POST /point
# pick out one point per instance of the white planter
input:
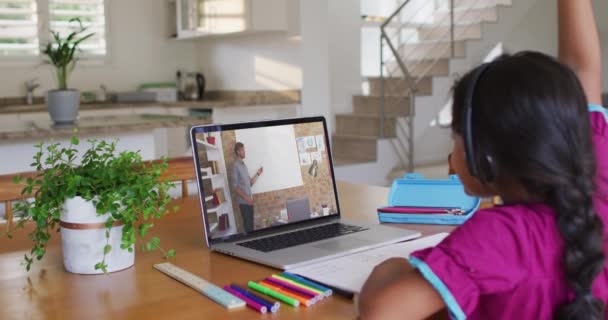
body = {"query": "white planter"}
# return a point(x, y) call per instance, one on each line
point(83, 239)
point(63, 106)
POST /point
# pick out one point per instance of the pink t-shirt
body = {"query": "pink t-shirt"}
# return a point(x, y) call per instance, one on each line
point(507, 262)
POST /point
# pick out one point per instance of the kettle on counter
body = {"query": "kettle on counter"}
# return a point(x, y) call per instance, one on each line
point(193, 86)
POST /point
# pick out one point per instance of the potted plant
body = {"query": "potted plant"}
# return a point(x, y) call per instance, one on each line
point(101, 203)
point(63, 103)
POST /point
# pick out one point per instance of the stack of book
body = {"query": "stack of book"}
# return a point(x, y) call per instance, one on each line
point(210, 167)
point(207, 187)
point(223, 222)
point(218, 196)
point(215, 167)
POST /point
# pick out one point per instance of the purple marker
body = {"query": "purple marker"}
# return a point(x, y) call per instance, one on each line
point(272, 306)
point(250, 302)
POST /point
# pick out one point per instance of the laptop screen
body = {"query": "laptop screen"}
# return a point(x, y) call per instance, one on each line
point(255, 176)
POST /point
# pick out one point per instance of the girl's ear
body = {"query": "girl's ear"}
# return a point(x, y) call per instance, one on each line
point(451, 170)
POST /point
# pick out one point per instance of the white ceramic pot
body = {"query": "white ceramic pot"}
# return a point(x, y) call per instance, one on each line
point(63, 106)
point(83, 239)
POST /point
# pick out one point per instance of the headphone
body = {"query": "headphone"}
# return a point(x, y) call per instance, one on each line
point(485, 170)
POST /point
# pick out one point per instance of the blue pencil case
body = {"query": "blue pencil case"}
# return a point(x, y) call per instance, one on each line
point(414, 192)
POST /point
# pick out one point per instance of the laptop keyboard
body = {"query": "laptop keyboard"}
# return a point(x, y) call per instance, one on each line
point(295, 238)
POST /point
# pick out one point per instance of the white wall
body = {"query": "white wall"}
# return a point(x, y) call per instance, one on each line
point(331, 56)
point(344, 53)
point(538, 31)
point(140, 51)
point(263, 61)
point(324, 61)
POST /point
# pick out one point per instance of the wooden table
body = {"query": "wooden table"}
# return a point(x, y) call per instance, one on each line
point(141, 292)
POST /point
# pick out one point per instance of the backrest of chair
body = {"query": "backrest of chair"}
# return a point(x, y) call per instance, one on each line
point(179, 170)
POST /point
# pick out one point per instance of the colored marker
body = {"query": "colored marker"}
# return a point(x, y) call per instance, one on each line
point(303, 288)
point(269, 292)
point(303, 299)
point(250, 302)
point(292, 288)
point(297, 284)
point(327, 291)
point(273, 306)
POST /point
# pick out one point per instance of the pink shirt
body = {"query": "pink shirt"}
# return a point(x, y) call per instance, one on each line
point(507, 262)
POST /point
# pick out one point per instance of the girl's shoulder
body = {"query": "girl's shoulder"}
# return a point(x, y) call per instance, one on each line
point(599, 125)
point(599, 120)
point(511, 215)
point(509, 229)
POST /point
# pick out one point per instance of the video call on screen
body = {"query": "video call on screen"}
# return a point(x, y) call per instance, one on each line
point(258, 178)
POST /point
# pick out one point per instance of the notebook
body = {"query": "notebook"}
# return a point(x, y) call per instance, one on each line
point(348, 273)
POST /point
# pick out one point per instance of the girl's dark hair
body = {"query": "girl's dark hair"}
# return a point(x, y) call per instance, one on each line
point(530, 116)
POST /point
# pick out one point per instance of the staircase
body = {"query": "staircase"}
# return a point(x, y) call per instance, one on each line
point(423, 44)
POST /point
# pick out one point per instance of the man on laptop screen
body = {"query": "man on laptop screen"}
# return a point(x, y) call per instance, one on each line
point(241, 183)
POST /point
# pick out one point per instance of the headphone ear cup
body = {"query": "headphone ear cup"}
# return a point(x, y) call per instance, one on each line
point(487, 169)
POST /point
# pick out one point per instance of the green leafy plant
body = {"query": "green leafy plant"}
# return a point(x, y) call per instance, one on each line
point(61, 52)
point(120, 184)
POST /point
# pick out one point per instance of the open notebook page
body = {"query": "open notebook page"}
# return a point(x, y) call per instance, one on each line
point(348, 273)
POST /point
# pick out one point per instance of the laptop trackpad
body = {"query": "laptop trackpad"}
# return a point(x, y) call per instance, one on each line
point(342, 244)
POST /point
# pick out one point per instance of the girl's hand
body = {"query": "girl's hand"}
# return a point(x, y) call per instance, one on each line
point(384, 273)
point(579, 45)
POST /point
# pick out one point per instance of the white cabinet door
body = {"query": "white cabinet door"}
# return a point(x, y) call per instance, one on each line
point(199, 18)
point(8, 118)
point(150, 110)
point(187, 12)
point(225, 16)
point(105, 112)
point(178, 111)
point(35, 116)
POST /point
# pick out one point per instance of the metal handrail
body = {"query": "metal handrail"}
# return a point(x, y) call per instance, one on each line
point(453, 36)
point(412, 83)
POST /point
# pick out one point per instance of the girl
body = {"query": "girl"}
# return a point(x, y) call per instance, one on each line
point(521, 130)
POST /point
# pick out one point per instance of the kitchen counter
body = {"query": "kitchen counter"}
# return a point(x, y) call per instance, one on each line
point(213, 99)
point(156, 129)
point(97, 126)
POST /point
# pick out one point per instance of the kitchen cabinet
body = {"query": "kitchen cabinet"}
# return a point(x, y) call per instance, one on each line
point(150, 110)
point(8, 118)
point(200, 18)
point(105, 112)
point(35, 116)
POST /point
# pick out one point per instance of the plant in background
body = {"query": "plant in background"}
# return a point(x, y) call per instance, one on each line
point(121, 185)
point(61, 52)
point(269, 221)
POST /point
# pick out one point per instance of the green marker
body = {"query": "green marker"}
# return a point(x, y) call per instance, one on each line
point(269, 292)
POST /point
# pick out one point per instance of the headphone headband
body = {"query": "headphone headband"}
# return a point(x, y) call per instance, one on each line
point(468, 122)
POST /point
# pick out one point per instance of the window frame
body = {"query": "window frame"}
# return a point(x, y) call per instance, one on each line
point(44, 35)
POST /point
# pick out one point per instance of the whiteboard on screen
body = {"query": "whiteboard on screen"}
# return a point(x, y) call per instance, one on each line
point(273, 148)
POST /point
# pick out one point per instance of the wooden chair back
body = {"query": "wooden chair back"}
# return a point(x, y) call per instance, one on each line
point(180, 170)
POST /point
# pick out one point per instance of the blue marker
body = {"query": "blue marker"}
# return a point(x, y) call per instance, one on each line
point(273, 307)
point(326, 291)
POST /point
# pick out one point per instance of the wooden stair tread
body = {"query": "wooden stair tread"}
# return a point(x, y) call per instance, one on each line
point(343, 161)
point(352, 136)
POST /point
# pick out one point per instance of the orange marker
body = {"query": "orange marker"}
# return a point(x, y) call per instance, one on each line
point(303, 300)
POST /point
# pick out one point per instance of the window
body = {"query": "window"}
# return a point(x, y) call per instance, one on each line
point(18, 28)
point(91, 14)
point(21, 34)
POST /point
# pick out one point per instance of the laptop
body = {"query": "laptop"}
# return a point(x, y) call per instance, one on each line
point(298, 209)
point(248, 172)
